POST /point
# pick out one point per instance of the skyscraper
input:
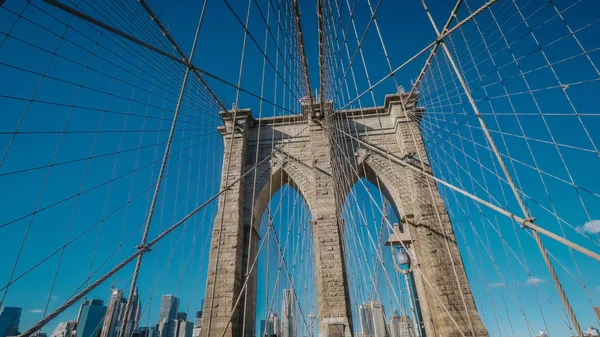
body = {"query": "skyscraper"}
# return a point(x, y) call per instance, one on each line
point(288, 314)
point(90, 318)
point(372, 319)
point(181, 327)
point(197, 324)
point(401, 326)
point(147, 331)
point(168, 313)
point(366, 319)
point(379, 319)
point(168, 308)
point(114, 314)
point(65, 329)
point(272, 326)
point(9, 321)
point(133, 318)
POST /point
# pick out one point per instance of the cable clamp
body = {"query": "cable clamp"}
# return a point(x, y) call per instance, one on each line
point(564, 86)
point(144, 248)
point(527, 220)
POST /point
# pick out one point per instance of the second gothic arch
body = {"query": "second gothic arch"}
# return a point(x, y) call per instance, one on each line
point(389, 178)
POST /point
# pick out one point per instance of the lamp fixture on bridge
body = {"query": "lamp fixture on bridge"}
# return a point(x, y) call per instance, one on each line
point(400, 239)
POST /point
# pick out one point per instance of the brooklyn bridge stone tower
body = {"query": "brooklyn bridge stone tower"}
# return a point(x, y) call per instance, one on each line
point(315, 157)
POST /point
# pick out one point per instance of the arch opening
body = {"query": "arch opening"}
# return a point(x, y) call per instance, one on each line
point(285, 294)
point(380, 293)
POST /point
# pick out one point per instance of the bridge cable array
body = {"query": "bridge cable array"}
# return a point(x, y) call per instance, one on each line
point(500, 115)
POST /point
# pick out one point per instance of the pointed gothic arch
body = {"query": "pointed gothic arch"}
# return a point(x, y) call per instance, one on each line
point(281, 171)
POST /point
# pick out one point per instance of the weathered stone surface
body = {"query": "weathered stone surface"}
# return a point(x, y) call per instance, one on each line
point(323, 164)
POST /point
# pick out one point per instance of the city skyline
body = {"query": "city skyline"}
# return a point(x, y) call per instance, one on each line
point(92, 315)
point(95, 319)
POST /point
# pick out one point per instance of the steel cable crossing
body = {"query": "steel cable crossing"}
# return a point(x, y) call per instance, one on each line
point(454, 86)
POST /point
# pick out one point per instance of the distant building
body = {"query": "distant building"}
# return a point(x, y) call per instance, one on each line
point(288, 314)
point(168, 313)
point(168, 308)
point(372, 319)
point(401, 326)
point(133, 318)
point(40, 334)
point(114, 314)
point(542, 334)
point(9, 321)
point(90, 318)
point(379, 320)
point(146, 331)
point(65, 329)
point(197, 324)
point(269, 326)
point(181, 327)
point(366, 320)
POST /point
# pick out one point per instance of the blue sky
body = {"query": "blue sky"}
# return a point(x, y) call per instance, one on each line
point(95, 86)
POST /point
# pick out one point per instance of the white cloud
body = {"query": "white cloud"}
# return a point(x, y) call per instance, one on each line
point(36, 311)
point(54, 297)
point(591, 227)
point(598, 289)
point(534, 281)
point(497, 285)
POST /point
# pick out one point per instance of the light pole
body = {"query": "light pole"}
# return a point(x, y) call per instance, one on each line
point(403, 246)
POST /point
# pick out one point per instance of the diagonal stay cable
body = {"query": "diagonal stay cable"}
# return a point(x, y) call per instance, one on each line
point(161, 173)
point(95, 187)
point(142, 250)
point(524, 222)
point(199, 72)
point(419, 53)
point(87, 230)
point(181, 53)
point(525, 211)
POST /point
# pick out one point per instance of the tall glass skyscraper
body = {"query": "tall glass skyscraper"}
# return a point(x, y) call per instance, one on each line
point(168, 313)
point(9, 321)
point(91, 318)
point(168, 308)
